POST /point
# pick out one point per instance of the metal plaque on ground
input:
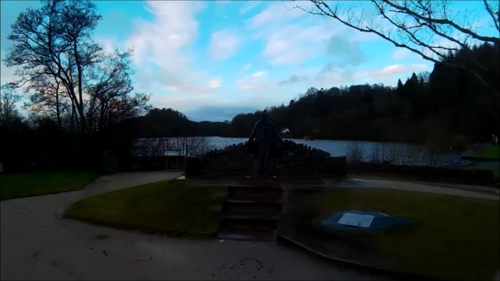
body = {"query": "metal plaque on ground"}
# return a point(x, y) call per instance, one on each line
point(356, 220)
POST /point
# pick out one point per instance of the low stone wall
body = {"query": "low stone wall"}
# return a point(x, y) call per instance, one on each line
point(482, 159)
point(290, 159)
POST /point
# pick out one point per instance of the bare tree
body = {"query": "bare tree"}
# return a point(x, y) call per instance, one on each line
point(190, 146)
point(8, 100)
point(109, 90)
point(428, 28)
point(355, 153)
point(151, 147)
point(49, 97)
point(55, 41)
point(424, 76)
point(57, 57)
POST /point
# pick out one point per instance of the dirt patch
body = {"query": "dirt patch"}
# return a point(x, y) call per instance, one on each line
point(101, 237)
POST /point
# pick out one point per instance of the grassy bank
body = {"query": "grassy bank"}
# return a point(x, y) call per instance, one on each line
point(496, 170)
point(31, 184)
point(176, 207)
point(453, 237)
point(488, 151)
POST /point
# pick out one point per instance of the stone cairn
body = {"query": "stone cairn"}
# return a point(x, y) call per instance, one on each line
point(291, 159)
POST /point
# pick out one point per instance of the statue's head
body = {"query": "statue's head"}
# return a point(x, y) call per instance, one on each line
point(264, 115)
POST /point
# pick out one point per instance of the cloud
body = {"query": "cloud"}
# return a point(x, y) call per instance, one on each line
point(246, 67)
point(108, 45)
point(294, 43)
point(159, 49)
point(250, 5)
point(390, 71)
point(293, 79)
point(215, 83)
point(362, 36)
point(223, 45)
point(330, 75)
point(291, 36)
point(218, 113)
point(401, 53)
point(347, 51)
point(275, 13)
point(327, 67)
point(259, 73)
point(332, 78)
point(7, 74)
point(255, 83)
point(182, 103)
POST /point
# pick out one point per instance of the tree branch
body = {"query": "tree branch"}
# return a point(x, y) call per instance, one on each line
point(325, 10)
point(403, 9)
point(492, 14)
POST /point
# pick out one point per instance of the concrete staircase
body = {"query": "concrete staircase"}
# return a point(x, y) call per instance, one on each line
point(252, 210)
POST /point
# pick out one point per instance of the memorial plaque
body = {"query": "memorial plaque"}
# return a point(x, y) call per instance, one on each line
point(356, 220)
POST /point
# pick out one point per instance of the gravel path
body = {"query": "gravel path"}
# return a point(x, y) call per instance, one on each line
point(37, 244)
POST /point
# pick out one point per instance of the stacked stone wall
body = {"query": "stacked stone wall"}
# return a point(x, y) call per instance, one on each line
point(289, 158)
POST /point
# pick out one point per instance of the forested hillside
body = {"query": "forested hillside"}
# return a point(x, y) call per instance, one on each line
point(444, 103)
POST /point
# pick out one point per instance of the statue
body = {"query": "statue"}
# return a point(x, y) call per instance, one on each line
point(265, 135)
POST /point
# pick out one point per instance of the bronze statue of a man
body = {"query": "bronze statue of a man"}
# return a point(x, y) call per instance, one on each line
point(265, 135)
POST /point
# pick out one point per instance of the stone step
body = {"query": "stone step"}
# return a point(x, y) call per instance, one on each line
point(257, 184)
point(304, 182)
point(251, 196)
point(251, 212)
point(256, 207)
point(248, 224)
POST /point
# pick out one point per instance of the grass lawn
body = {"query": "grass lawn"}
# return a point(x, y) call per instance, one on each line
point(30, 184)
point(496, 170)
point(453, 238)
point(488, 151)
point(176, 207)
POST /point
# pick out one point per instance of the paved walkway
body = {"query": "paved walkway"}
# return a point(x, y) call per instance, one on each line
point(37, 244)
point(414, 186)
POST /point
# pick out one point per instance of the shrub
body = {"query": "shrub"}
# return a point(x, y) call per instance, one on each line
point(459, 142)
point(355, 153)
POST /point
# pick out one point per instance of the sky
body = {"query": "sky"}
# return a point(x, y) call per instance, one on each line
point(214, 59)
